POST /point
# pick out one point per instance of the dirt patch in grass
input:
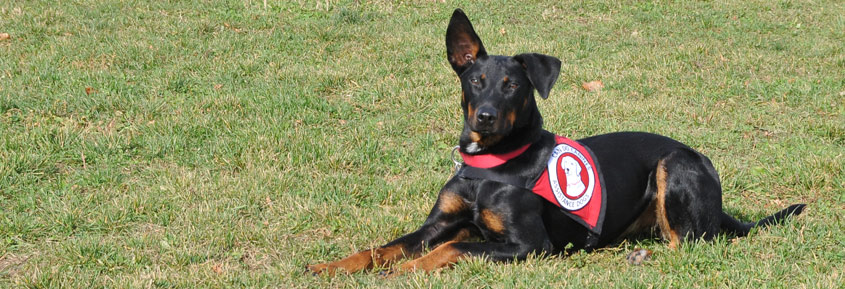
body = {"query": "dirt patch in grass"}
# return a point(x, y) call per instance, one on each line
point(11, 265)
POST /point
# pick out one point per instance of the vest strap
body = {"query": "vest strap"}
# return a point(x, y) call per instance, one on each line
point(469, 172)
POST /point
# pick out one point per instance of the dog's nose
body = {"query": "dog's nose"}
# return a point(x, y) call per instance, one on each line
point(486, 116)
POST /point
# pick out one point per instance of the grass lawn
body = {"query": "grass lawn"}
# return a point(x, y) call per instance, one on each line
point(182, 144)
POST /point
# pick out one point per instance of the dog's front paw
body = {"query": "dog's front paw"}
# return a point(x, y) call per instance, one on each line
point(388, 274)
point(319, 269)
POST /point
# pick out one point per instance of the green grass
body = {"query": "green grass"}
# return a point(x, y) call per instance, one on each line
point(229, 144)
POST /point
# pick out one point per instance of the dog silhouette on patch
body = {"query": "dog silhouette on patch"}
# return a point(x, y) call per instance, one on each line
point(572, 168)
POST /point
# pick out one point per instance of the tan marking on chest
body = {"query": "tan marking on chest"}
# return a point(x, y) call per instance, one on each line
point(493, 221)
point(451, 203)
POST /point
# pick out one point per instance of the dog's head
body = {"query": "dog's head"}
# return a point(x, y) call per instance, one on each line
point(497, 91)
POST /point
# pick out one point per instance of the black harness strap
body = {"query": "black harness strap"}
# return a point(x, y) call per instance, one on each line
point(469, 172)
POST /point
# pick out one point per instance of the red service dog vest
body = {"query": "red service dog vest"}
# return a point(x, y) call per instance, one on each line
point(571, 179)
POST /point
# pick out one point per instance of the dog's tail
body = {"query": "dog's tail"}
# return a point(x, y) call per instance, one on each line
point(740, 229)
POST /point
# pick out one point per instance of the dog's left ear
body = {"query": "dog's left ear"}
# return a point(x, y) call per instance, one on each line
point(542, 71)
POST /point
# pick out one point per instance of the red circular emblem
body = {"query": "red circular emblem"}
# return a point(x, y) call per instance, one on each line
point(571, 177)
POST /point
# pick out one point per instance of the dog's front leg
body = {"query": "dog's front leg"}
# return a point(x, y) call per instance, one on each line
point(409, 245)
point(449, 220)
point(524, 236)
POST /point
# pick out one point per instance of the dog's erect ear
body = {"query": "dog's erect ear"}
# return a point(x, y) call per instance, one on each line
point(542, 71)
point(463, 46)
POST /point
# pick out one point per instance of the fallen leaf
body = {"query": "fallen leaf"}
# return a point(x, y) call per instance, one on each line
point(218, 86)
point(217, 269)
point(4, 36)
point(593, 86)
point(502, 31)
point(638, 256)
point(89, 90)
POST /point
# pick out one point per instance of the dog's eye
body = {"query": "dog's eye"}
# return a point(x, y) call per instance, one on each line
point(513, 85)
point(473, 80)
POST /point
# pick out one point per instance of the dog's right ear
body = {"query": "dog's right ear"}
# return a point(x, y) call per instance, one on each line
point(463, 46)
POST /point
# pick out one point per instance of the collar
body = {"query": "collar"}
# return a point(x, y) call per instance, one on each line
point(487, 161)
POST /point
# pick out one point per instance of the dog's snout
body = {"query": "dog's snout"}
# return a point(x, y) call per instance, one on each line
point(486, 116)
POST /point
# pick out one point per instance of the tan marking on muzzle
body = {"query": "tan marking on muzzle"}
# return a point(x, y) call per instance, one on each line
point(474, 136)
point(470, 114)
point(512, 117)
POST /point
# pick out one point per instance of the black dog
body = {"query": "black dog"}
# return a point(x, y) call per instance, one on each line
point(524, 190)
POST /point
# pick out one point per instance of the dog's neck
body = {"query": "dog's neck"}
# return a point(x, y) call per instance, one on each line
point(486, 161)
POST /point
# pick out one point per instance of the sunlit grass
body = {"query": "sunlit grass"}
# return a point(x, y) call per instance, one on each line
point(229, 143)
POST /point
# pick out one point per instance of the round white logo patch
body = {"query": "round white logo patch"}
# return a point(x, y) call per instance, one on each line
point(571, 177)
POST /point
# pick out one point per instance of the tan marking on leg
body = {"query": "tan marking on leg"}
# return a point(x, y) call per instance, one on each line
point(662, 221)
point(463, 234)
point(445, 255)
point(451, 203)
point(492, 221)
point(363, 260)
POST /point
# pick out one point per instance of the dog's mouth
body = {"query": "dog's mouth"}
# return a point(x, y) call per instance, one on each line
point(484, 137)
point(480, 140)
point(486, 128)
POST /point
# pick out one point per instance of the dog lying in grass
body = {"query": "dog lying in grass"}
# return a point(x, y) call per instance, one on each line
point(524, 190)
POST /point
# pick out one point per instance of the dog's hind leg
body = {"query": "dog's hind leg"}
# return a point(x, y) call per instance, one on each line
point(689, 197)
point(689, 200)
